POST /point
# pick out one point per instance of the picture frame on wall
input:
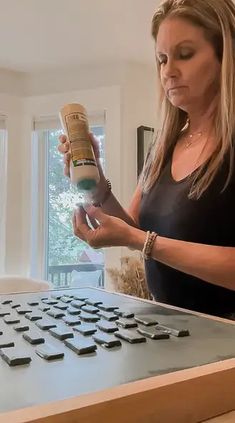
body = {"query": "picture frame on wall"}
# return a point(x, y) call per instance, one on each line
point(145, 136)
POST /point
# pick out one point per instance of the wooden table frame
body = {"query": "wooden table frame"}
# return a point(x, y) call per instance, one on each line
point(186, 396)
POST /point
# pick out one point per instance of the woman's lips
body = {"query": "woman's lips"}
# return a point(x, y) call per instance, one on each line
point(175, 89)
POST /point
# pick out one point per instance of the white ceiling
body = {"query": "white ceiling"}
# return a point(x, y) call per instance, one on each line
point(41, 35)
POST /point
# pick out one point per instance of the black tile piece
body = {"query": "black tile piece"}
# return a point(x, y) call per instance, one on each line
point(127, 323)
point(111, 317)
point(11, 319)
point(66, 300)
point(130, 336)
point(33, 303)
point(45, 324)
point(56, 296)
point(93, 302)
point(49, 352)
point(81, 345)
point(172, 330)
point(123, 313)
point(146, 320)
point(158, 334)
point(85, 329)
point(44, 307)
point(107, 307)
point(33, 337)
point(6, 343)
point(73, 311)
point(107, 341)
point(90, 309)
point(61, 306)
point(50, 301)
point(4, 313)
point(15, 305)
point(61, 333)
point(77, 303)
point(92, 318)
point(22, 310)
point(106, 326)
point(14, 358)
point(7, 301)
point(55, 313)
point(71, 320)
point(21, 328)
point(33, 317)
point(80, 297)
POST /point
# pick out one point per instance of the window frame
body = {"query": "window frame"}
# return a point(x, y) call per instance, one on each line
point(40, 191)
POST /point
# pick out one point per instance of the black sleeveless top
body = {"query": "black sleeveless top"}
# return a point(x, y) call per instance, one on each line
point(167, 210)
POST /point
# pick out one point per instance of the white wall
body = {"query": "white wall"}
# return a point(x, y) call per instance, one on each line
point(13, 83)
point(127, 93)
point(138, 108)
point(82, 78)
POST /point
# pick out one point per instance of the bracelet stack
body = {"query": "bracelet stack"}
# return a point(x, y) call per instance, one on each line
point(106, 194)
point(148, 245)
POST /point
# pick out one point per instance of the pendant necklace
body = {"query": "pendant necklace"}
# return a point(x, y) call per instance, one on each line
point(190, 139)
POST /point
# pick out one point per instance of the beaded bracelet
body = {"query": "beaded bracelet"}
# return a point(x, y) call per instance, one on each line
point(148, 245)
point(106, 194)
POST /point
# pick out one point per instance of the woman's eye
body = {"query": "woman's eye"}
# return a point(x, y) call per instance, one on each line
point(185, 56)
point(162, 61)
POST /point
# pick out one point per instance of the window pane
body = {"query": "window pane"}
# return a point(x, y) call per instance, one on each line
point(69, 260)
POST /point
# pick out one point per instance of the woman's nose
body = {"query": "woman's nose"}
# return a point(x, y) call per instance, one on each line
point(170, 70)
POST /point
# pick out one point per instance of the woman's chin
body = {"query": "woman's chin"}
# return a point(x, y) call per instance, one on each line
point(179, 103)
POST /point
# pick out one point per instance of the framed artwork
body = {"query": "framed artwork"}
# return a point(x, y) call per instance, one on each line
point(144, 139)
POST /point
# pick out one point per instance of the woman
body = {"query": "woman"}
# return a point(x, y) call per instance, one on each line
point(186, 193)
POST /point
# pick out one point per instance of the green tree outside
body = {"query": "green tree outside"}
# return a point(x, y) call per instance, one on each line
point(63, 247)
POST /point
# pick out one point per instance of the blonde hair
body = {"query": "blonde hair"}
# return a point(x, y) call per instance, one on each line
point(217, 18)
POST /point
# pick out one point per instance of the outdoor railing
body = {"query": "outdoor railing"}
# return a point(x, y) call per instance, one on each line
point(61, 275)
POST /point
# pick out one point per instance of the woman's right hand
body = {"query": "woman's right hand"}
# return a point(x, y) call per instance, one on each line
point(64, 148)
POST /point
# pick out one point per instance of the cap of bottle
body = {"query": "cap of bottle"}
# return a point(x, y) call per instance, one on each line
point(86, 184)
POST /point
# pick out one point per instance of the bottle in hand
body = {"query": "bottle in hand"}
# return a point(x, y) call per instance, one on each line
point(83, 166)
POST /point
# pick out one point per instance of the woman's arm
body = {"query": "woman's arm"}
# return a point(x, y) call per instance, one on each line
point(111, 206)
point(130, 216)
point(210, 263)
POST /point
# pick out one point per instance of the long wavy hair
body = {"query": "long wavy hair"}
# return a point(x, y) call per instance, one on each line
point(217, 18)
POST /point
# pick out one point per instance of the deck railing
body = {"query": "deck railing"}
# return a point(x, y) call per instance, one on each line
point(61, 275)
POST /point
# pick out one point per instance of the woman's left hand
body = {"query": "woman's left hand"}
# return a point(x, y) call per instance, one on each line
point(107, 231)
